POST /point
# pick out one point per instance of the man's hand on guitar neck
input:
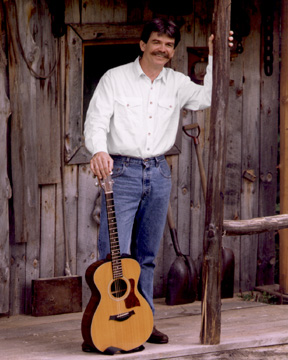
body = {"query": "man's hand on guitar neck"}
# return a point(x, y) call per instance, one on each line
point(101, 164)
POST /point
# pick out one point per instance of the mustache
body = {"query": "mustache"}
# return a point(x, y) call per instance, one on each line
point(160, 54)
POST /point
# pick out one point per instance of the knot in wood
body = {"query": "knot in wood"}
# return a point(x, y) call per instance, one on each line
point(184, 190)
point(211, 231)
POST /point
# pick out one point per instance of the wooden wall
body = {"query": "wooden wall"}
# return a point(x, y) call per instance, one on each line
point(54, 197)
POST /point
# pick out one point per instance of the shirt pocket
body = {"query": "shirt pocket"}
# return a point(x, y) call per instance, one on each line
point(128, 110)
point(166, 107)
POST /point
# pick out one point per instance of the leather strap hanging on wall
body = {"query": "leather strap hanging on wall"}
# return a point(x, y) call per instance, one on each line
point(267, 28)
point(240, 23)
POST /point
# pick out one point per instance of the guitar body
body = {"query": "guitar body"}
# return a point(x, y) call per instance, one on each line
point(117, 316)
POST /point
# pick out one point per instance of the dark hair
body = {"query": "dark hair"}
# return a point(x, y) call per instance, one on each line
point(162, 27)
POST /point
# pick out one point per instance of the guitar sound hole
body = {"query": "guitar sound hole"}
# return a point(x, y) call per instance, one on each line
point(118, 288)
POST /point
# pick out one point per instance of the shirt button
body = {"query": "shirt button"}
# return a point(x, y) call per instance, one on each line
point(148, 149)
point(150, 117)
point(151, 102)
point(149, 133)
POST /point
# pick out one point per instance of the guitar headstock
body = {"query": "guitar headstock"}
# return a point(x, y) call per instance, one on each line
point(106, 184)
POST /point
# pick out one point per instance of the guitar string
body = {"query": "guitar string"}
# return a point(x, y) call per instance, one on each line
point(115, 255)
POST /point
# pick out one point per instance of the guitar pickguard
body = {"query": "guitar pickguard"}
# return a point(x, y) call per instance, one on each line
point(132, 300)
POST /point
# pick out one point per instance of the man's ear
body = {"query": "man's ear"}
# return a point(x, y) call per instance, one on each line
point(142, 45)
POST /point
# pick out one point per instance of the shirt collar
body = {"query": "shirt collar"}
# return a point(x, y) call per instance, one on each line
point(139, 72)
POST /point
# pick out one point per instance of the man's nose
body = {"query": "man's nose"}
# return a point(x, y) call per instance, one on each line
point(162, 47)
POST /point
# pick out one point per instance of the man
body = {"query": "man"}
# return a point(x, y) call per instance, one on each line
point(131, 122)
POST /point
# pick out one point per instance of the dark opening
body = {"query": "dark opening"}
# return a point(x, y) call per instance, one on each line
point(100, 58)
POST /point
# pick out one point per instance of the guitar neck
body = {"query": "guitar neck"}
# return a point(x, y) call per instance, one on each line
point(113, 236)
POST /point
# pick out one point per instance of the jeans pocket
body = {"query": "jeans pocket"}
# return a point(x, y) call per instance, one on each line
point(164, 169)
point(118, 169)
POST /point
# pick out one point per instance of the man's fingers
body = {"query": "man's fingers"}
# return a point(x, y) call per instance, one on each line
point(101, 165)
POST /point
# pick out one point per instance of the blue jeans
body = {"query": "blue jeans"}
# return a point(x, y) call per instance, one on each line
point(141, 192)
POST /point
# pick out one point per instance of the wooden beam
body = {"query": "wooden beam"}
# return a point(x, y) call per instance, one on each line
point(211, 297)
point(255, 225)
point(284, 147)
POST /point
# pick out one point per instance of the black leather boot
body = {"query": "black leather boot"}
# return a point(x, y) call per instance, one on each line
point(157, 337)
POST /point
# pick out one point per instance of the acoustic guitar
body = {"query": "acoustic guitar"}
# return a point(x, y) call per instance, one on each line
point(117, 317)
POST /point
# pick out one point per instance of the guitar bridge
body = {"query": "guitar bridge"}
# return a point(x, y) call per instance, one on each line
point(123, 316)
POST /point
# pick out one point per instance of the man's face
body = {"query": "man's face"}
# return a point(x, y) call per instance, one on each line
point(158, 50)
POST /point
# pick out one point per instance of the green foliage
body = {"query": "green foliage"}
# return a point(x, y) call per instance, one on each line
point(264, 297)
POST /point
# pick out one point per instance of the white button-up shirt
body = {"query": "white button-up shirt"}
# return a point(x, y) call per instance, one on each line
point(132, 116)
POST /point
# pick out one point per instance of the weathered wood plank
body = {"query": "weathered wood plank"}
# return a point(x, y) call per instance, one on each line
point(233, 160)
point(202, 22)
point(284, 146)
point(73, 121)
point(72, 13)
point(47, 249)
point(5, 188)
point(47, 100)
point(61, 231)
point(250, 146)
point(18, 279)
point(108, 31)
point(181, 203)
point(202, 118)
point(103, 11)
point(135, 11)
point(166, 254)
point(70, 186)
point(42, 44)
point(182, 211)
point(269, 93)
point(23, 128)
point(60, 251)
point(198, 30)
point(211, 298)
point(26, 200)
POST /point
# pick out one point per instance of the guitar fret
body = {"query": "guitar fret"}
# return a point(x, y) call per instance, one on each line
point(115, 251)
point(114, 244)
point(117, 268)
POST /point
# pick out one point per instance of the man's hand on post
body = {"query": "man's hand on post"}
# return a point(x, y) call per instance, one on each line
point(211, 39)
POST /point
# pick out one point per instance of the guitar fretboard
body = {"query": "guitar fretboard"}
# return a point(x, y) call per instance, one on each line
point(113, 235)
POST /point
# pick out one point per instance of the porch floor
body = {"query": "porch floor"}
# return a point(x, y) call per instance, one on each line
point(249, 330)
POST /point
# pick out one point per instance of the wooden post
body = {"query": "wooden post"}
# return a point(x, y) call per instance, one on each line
point(211, 297)
point(284, 147)
point(5, 188)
